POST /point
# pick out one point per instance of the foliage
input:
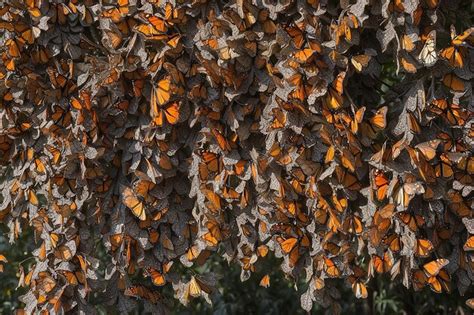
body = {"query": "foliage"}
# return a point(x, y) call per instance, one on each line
point(151, 152)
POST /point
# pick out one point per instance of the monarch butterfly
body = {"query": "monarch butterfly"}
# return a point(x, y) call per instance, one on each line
point(116, 14)
point(193, 253)
point(214, 201)
point(375, 124)
point(57, 80)
point(25, 34)
point(381, 223)
point(279, 119)
point(358, 287)
point(353, 224)
point(211, 163)
point(453, 82)
point(288, 244)
point(131, 201)
point(195, 288)
point(230, 193)
point(425, 170)
point(360, 62)
point(115, 38)
point(299, 93)
point(348, 160)
point(428, 54)
point(32, 198)
point(470, 303)
point(358, 117)
point(433, 268)
point(159, 24)
point(433, 4)
point(296, 104)
point(396, 6)
point(419, 279)
point(33, 7)
point(455, 53)
point(380, 184)
point(334, 97)
point(265, 281)
point(40, 167)
point(331, 269)
point(444, 167)
point(221, 140)
point(157, 278)
point(348, 180)
point(216, 232)
point(296, 33)
point(423, 247)
point(292, 245)
point(379, 120)
point(154, 29)
point(344, 29)
point(162, 113)
point(70, 277)
point(452, 113)
point(13, 48)
point(143, 185)
point(381, 264)
point(457, 204)
point(393, 242)
point(408, 64)
point(428, 148)
point(440, 282)
point(262, 250)
point(407, 43)
point(412, 221)
point(143, 292)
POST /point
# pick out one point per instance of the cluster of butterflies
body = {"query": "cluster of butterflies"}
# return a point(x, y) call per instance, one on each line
point(335, 136)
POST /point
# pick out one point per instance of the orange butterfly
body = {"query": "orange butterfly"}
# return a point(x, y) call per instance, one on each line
point(381, 223)
point(452, 113)
point(358, 287)
point(116, 14)
point(216, 232)
point(334, 97)
point(296, 33)
point(360, 62)
point(440, 282)
point(221, 140)
point(375, 124)
point(428, 54)
point(331, 269)
point(444, 167)
point(423, 247)
point(380, 184)
point(157, 277)
point(453, 82)
point(292, 245)
point(393, 242)
point(279, 119)
point(265, 281)
point(412, 221)
point(211, 163)
point(132, 202)
point(160, 112)
point(348, 180)
point(154, 29)
point(353, 224)
point(143, 292)
point(455, 53)
point(381, 264)
point(344, 28)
